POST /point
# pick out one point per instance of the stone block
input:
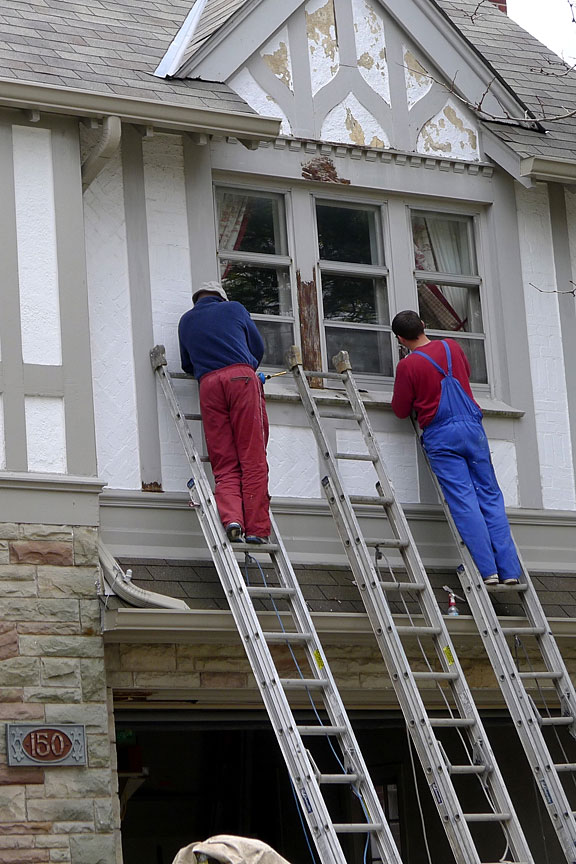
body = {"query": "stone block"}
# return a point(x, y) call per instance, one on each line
point(74, 827)
point(24, 776)
point(4, 553)
point(60, 672)
point(8, 641)
point(11, 694)
point(17, 712)
point(15, 842)
point(93, 680)
point(53, 841)
point(148, 658)
point(15, 828)
point(67, 581)
point(90, 617)
point(85, 545)
point(60, 809)
point(104, 818)
point(99, 747)
point(223, 680)
point(56, 628)
point(174, 681)
point(95, 717)
point(61, 646)
point(99, 849)
point(25, 856)
point(112, 658)
point(120, 680)
point(18, 589)
point(55, 552)
point(17, 573)
point(60, 855)
point(8, 531)
point(40, 610)
point(20, 672)
point(52, 695)
point(45, 532)
point(13, 803)
point(77, 783)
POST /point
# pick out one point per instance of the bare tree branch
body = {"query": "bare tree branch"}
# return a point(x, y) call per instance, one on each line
point(571, 291)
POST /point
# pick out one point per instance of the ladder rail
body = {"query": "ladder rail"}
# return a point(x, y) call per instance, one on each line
point(295, 753)
point(427, 746)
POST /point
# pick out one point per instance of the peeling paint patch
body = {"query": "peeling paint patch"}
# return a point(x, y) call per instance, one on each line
point(371, 47)
point(276, 55)
point(450, 133)
point(351, 123)
point(322, 42)
point(246, 86)
point(418, 82)
point(322, 169)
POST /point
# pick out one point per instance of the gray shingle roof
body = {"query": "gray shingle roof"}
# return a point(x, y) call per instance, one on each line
point(109, 46)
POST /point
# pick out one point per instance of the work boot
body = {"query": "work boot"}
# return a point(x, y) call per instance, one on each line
point(251, 538)
point(234, 532)
point(492, 580)
point(510, 581)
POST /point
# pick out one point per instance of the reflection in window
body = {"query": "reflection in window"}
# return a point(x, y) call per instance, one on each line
point(254, 266)
point(447, 282)
point(346, 234)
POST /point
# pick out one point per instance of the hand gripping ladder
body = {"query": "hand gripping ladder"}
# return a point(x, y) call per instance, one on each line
point(463, 718)
point(527, 719)
point(295, 630)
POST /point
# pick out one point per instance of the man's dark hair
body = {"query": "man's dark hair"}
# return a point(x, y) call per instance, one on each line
point(408, 325)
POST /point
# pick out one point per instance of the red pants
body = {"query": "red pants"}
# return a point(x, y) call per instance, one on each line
point(236, 430)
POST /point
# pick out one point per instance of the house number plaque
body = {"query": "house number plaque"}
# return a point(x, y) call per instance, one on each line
point(31, 744)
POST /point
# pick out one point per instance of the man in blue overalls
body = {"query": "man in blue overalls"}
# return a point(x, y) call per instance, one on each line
point(434, 381)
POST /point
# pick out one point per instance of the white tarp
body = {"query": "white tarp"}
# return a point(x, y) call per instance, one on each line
point(230, 850)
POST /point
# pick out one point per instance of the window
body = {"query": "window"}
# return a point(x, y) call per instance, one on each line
point(355, 307)
point(254, 263)
point(448, 283)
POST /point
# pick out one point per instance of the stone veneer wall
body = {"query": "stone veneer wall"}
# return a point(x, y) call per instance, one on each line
point(52, 671)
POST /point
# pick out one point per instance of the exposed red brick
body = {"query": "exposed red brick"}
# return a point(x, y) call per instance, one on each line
point(21, 776)
point(56, 553)
point(15, 711)
point(8, 641)
point(25, 828)
point(322, 169)
point(501, 4)
point(224, 680)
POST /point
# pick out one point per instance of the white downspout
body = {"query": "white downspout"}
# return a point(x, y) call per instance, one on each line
point(121, 585)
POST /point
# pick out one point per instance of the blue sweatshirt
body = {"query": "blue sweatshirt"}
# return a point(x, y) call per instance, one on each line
point(218, 333)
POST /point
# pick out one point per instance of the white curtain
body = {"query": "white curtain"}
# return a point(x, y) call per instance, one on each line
point(437, 247)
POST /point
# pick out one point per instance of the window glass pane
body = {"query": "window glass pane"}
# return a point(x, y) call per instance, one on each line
point(443, 243)
point(450, 307)
point(370, 350)
point(278, 339)
point(248, 223)
point(476, 352)
point(355, 298)
point(346, 234)
point(262, 290)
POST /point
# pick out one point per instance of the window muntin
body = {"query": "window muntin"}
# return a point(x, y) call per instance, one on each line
point(448, 283)
point(254, 265)
point(355, 306)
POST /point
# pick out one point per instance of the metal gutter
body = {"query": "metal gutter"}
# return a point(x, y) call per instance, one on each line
point(171, 60)
point(166, 115)
point(552, 169)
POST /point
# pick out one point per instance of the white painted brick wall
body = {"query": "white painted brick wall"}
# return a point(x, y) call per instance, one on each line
point(293, 461)
point(506, 469)
point(545, 344)
point(110, 330)
point(571, 215)
point(399, 455)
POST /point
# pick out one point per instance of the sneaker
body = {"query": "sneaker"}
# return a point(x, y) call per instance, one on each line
point(511, 581)
point(251, 538)
point(492, 580)
point(234, 532)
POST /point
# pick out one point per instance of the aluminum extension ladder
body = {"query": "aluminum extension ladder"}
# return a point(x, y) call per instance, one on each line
point(296, 630)
point(528, 721)
point(463, 717)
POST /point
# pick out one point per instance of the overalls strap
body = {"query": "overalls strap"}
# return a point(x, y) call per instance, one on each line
point(447, 374)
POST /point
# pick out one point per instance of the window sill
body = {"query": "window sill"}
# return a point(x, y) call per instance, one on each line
point(285, 391)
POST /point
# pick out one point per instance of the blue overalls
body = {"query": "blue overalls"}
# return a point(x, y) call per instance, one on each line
point(457, 447)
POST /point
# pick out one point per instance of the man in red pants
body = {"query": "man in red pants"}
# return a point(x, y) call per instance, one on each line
point(221, 346)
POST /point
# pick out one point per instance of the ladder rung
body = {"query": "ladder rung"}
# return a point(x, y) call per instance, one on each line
point(305, 731)
point(259, 591)
point(526, 631)
point(204, 459)
point(334, 414)
point(388, 544)
point(403, 586)
point(419, 631)
point(279, 636)
point(251, 548)
point(564, 767)
point(506, 589)
point(332, 376)
point(193, 417)
point(371, 499)
point(356, 457)
point(436, 676)
point(457, 722)
point(541, 676)
point(468, 769)
point(337, 779)
point(556, 721)
point(303, 683)
point(487, 817)
point(357, 827)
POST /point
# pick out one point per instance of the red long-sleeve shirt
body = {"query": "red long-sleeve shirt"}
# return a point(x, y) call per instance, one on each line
point(418, 382)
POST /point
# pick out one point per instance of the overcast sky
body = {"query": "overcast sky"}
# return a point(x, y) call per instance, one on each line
point(550, 21)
